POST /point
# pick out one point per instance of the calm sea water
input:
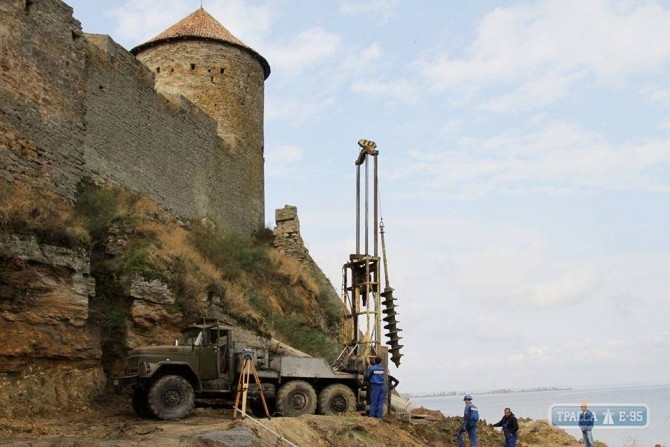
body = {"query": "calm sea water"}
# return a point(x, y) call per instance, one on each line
point(536, 405)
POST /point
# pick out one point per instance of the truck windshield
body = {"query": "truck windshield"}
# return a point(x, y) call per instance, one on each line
point(191, 337)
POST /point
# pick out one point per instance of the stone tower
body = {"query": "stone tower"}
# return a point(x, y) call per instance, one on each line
point(201, 60)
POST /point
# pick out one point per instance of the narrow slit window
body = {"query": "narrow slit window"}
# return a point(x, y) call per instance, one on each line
point(158, 69)
point(192, 66)
point(222, 70)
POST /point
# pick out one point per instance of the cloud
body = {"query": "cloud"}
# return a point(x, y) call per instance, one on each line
point(359, 62)
point(400, 90)
point(524, 278)
point(515, 359)
point(548, 47)
point(534, 94)
point(294, 111)
point(556, 158)
point(657, 95)
point(308, 49)
point(283, 161)
point(464, 363)
point(382, 10)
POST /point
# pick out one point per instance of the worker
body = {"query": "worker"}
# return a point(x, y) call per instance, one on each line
point(586, 423)
point(470, 418)
point(510, 427)
point(375, 378)
point(393, 383)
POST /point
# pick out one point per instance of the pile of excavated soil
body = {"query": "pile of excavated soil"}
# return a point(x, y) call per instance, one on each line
point(113, 423)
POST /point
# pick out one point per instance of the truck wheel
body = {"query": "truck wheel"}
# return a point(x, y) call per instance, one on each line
point(171, 397)
point(141, 405)
point(295, 398)
point(337, 399)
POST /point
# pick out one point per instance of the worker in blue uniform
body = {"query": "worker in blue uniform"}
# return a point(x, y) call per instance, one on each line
point(469, 425)
point(375, 378)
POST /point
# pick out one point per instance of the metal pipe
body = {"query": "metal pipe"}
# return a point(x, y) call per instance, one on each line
point(376, 205)
point(358, 209)
point(367, 208)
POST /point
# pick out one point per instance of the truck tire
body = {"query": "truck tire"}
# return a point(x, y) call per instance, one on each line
point(141, 405)
point(296, 398)
point(337, 399)
point(171, 397)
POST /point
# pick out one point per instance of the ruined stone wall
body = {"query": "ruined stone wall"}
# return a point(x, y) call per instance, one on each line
point(42, 88)
point(287, 239)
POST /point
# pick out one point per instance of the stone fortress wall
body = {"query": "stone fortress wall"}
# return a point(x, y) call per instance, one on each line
point(74, 105)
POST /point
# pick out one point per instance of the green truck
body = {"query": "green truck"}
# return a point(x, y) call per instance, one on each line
point(206, 363)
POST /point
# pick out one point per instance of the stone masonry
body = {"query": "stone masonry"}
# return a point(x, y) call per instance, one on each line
point(287, 239)
point(74, 105)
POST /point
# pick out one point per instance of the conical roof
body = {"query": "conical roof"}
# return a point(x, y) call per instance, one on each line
point(200, 25)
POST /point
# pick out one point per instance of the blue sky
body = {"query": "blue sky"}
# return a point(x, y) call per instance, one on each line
point(524, 169)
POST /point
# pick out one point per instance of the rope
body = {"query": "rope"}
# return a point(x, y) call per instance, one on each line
point(279, 437)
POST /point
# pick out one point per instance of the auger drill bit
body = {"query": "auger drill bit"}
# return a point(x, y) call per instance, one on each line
point(391, 325)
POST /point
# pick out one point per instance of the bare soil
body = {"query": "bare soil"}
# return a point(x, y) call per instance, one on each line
point(112, 423)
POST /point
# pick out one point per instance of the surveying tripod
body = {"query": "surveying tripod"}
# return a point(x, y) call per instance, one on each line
point(248, 369)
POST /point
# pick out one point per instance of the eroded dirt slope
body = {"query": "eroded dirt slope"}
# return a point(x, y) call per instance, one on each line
point(113, 424)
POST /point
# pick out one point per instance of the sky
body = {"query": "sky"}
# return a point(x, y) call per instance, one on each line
point(524, 164)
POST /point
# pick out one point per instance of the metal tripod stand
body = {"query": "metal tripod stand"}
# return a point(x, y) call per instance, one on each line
point(248, 369)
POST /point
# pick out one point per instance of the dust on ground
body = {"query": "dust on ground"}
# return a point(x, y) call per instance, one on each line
point(112, 423)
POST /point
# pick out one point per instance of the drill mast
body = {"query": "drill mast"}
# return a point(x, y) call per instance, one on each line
point(361, 274)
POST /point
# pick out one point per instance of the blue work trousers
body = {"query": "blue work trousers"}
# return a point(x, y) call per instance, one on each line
point(510, 439)
point(588, 438)
point(377, 393)
point(472, 434)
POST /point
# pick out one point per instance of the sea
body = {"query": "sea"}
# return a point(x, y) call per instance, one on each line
point(536, 405)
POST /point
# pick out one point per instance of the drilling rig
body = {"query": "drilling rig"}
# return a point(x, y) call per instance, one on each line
point(361, 274)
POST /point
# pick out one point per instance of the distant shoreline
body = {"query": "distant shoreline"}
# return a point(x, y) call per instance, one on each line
point(498, 391)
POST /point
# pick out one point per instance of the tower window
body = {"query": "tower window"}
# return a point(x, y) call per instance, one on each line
point(192, 66)
point(158, 69)
point(221, 70)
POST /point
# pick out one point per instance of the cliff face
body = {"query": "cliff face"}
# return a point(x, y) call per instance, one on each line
point(50, 355)
point(82, 284)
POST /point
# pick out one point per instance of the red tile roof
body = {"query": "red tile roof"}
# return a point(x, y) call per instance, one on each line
point(200, 25)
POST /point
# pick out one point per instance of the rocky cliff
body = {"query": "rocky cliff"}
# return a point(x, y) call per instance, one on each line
point(82, 283)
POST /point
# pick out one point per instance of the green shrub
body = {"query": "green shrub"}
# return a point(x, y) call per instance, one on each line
point(332, 308)
point(98, 206)
point(232, 252)
point(138, 260)
point(261, 304)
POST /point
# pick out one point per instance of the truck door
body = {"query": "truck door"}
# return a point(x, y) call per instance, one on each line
point(209, 354)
